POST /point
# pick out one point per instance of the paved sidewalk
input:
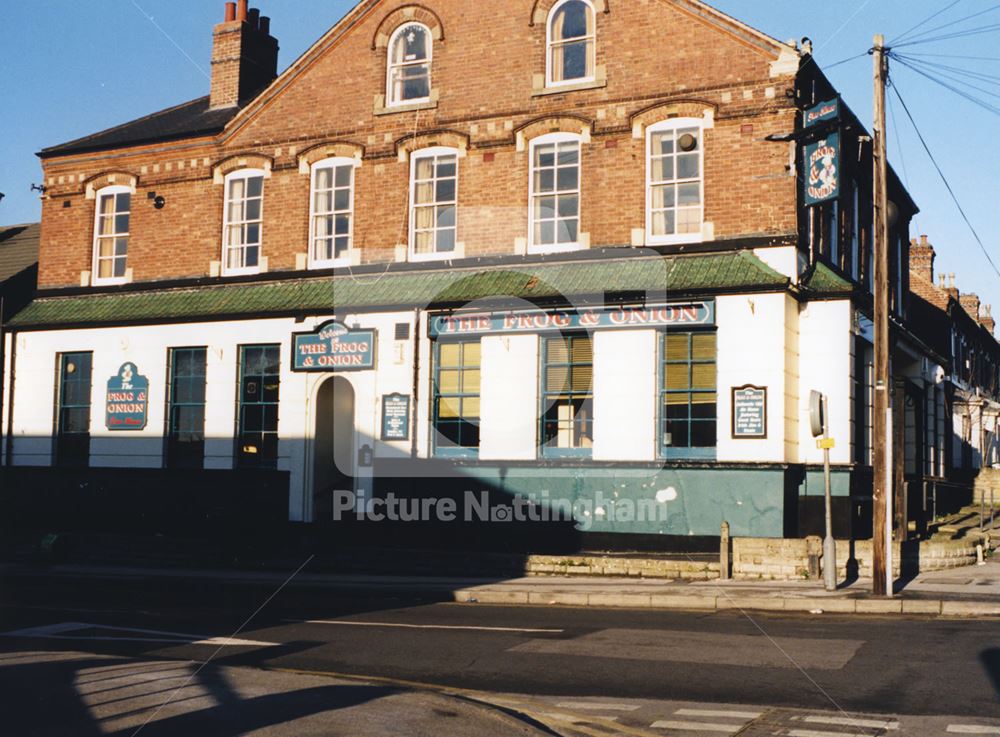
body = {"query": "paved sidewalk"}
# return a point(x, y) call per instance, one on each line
point(968, 591)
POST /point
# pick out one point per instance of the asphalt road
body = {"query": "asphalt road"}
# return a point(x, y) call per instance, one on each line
point(827, 664)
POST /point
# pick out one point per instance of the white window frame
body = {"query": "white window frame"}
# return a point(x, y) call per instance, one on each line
point(554, 138)
point(550, 45)
point(95, 278)
point(243, 270)
point(391, 66)
point(672, 124)
point(334, 163)
point(425, 153)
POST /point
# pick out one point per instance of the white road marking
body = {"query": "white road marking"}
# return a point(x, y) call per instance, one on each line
point(399, 625)
point(814, 733)
point(595, 706)
point(972, 729)
point(718, 713)
point(65, 630)
point(852, 722)
point(697, 726)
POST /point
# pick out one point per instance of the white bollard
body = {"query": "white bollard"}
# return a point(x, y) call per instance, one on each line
point(979, 556)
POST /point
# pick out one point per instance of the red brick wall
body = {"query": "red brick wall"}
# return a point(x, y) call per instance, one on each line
point(483, 71)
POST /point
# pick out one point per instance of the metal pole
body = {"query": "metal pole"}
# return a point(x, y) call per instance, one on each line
point(882, 422)
point(829, 544)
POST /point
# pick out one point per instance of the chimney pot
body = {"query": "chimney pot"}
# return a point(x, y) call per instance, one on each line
point(241, 10)
point(923, 240)
point(230, 12)
point(951, 280)
point(244, 60)
point(253, 18)
point(265, 25)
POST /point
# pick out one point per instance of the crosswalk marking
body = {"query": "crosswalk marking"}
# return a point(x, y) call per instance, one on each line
point(718, 713)
point(595, 706)
point(852, 722)
point(697, 726)
point(972, 729)
point(814, 733)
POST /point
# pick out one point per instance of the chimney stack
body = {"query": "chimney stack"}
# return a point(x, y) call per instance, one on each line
point(986, 319)
point(970, 303)
point(244, 56)
point(922, 258)
point(951, 289)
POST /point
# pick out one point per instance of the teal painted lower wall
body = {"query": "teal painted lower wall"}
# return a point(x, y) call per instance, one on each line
point(663, 501)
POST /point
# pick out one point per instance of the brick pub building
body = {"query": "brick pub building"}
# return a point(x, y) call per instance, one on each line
point(567, 257)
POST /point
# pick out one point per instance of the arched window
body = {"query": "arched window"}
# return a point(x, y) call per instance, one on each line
point(411, 49)
point(674, 181)
point(571, 43)
point(332, 212)
point(434, 203)
point(111, 232)
point(554, 191)
point(242, 222)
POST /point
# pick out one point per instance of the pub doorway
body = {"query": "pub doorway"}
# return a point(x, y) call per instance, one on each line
point(333, 444)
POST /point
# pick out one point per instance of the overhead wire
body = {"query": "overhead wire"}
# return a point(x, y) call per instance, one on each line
point(948, 25)
point(944, 178)
point(949, 36)
point(925, 21)
point(958, 91)
point(899, 148)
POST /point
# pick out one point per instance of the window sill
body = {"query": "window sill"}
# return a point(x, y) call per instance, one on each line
point(558, 248)
point(116, 282)
point(241, 272)
point(590, 84)
point(406, 108)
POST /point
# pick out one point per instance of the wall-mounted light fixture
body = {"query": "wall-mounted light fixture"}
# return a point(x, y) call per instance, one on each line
point(159, 202)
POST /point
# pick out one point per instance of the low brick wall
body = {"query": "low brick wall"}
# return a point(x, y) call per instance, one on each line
point(585, 565)
point(789, 559)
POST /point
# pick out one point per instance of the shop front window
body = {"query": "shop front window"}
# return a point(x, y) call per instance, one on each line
point(688, 395)
point(73, 411)
point(457, 398)
point(567, 396)
point(257, 431)
point(186, 408)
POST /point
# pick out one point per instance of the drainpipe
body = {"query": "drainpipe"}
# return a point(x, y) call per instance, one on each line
point(416, 382)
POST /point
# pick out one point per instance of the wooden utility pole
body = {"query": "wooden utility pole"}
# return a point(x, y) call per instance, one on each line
point(881, 437)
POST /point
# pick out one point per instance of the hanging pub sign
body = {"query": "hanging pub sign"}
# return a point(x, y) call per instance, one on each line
point(333, 347)
point(749, 412)
point(689, 313)
point(395, 417)
point(825, 112)
point(127, 400)
point(823, 170)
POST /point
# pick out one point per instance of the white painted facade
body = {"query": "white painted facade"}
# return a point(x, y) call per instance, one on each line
point(767, 340)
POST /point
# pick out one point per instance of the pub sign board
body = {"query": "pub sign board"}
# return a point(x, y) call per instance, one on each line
point(749, 412)
point(822, 180)
point(127, 400)
point(395, 417)
point(825, 112)
point(334, 347)
point(688, 313)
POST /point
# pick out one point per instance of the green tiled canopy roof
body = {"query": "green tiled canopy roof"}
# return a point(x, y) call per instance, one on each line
point(536, 281)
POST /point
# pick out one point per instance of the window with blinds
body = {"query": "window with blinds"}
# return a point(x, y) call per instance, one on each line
point(688, 394)
point(456, 398)
point(567, 396)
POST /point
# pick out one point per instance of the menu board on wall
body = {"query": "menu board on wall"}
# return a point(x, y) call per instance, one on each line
point(750, 412)
point(396, 417)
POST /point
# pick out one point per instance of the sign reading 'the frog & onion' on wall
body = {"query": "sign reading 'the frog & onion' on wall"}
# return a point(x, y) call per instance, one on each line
point(127, 400)
point(333, 347)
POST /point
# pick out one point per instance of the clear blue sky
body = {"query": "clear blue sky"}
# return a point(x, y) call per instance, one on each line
point(69, 68)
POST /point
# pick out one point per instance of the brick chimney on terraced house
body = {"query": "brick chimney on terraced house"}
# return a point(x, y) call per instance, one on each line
point(244, 55)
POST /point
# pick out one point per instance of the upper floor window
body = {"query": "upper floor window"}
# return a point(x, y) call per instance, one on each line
point(332, 221)
point(111, 231)
point(674, 181)
point(571, 43)
point(410, 53)
point(243, 222)
point(433, 203)
point(554, 191)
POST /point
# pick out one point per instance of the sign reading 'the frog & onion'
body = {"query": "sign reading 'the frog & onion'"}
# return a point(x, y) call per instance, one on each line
point(333, 347)
point(127, 400)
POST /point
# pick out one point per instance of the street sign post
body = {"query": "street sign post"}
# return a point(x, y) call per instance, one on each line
point(819, 422)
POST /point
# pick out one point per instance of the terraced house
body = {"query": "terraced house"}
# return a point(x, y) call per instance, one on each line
point(555, 260)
